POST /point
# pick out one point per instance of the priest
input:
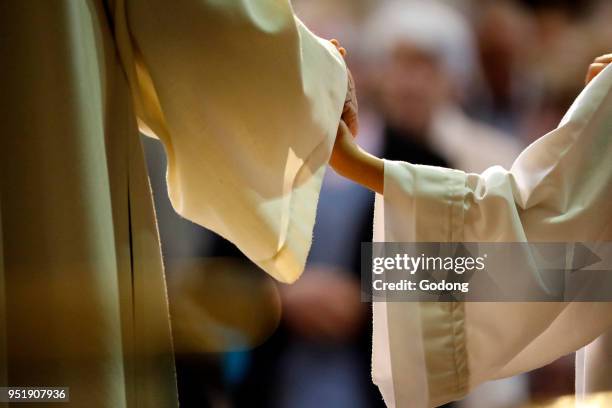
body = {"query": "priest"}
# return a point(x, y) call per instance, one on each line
point(246, 101)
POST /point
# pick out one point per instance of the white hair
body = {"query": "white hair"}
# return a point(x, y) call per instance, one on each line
point(429, 25)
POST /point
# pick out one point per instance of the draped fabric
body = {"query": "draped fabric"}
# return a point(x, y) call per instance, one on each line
point(246, 102)
point(243, 96)
point(559, 189)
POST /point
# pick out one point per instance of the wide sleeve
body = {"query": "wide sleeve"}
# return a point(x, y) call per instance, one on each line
point(246, 101)
point(559, 189)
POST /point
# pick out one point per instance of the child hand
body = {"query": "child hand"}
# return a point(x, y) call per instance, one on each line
point(345, 150)
point(351, 107)
point(597, 66)
point(350, 161)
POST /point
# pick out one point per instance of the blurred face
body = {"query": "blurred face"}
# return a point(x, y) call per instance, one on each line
point(413, 85)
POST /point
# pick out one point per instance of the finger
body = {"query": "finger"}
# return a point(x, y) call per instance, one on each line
point(594, 70)
point(351, 89)
point(351, 107)
point(341, 49)
point(349, 116)
point(604, 59)
point(343, 129)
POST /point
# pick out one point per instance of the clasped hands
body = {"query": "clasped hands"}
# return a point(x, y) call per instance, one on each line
point(347, 158)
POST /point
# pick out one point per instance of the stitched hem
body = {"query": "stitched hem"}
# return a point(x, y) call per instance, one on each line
point(426, 204)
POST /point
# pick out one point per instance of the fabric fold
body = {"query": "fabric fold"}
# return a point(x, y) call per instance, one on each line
point(247, 103)
point(558, 190)
point(434, 367)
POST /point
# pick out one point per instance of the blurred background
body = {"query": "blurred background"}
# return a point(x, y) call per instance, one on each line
point(458, 83)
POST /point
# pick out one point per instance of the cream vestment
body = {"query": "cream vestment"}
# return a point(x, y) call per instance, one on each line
point(246, 102)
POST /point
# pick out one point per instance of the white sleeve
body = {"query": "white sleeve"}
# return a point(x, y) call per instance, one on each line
point(246, 101)
point(559, 189)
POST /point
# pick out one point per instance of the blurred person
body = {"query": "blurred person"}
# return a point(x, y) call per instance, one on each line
point(559, 189)
point(426, 64)
point(598, 26)
point(508, 91)
point(320, 355)
point(246, 101)
point(562, 44)
point(425, 60)
point(326, 360)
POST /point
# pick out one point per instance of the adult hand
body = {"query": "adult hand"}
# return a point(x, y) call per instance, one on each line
point(324, 305)
point(351, 106)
